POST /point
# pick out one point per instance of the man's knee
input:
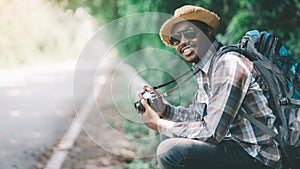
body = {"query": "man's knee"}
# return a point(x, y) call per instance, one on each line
point(182, 152)
point(183, 146)
point(179, 151)
point(169, 153)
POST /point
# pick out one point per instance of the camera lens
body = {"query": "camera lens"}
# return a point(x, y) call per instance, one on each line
point(139, 107)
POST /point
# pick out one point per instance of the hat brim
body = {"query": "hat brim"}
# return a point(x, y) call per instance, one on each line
point(166, 29)
point(200, 14)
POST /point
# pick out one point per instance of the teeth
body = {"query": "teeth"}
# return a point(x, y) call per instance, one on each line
point(187, 50)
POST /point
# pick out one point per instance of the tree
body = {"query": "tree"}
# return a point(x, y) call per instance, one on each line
point(280, 17)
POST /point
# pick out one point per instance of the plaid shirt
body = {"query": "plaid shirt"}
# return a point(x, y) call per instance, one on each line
point(226, 84)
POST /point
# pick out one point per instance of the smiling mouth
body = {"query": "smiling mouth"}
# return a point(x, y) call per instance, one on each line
point(187, 50)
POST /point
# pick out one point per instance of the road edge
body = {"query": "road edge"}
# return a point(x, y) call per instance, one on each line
point(60, 153)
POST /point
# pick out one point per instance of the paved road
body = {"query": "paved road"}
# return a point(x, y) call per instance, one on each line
point(36, 107)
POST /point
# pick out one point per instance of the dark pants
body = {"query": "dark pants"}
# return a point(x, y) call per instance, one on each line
point(179, 153)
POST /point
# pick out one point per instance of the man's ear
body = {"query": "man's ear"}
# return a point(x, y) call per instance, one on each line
point(210, 34)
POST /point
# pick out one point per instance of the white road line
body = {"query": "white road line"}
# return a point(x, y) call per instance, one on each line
point(58, 157)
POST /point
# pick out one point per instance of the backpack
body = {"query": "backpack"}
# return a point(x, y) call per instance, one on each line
point(281, 73)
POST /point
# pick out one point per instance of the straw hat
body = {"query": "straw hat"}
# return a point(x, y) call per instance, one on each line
point(184, 13)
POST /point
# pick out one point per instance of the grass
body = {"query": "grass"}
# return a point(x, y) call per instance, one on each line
point(143, 138)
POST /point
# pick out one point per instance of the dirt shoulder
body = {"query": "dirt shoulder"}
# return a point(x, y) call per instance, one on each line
point(112, 136)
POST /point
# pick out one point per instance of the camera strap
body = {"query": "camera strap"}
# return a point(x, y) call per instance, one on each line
point(172, 81)
point(213, 48)
point(178, 85)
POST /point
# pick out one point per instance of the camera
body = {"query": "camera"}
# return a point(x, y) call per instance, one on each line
point(138, 104)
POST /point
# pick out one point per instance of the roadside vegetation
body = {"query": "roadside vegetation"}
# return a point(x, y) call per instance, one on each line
point(41, 32)
point(280, 17)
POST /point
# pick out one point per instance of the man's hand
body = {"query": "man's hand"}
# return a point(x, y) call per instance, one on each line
point(159, 102)
point(150, 117)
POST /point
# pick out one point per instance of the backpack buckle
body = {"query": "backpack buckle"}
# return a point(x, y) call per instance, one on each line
point(284, 101)
point(244, 42)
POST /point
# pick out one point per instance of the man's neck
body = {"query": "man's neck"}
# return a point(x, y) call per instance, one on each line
point(213, 48)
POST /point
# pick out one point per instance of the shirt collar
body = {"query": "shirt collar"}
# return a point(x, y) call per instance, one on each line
point(205, 61)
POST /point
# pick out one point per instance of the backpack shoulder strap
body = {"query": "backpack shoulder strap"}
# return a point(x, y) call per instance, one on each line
point(258, 124)
point(226, 49)
point(243, 112)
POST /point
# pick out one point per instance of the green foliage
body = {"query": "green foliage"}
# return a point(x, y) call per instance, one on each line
point(39, 31)
point(141, 164)
point(135, 130)
point(240, 20)
point(294, 43)
point(280, 17)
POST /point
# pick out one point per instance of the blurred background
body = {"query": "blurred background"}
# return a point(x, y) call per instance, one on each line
point(54, 30)
point(281, 18)
point(41, 41)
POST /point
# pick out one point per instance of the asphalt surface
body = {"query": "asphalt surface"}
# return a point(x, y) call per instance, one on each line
point(39, 105)
point(36, 108)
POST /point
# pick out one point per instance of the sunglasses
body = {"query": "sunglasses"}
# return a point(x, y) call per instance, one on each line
point(175, 38)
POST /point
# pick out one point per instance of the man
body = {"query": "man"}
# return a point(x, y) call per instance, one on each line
point(210, 133)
